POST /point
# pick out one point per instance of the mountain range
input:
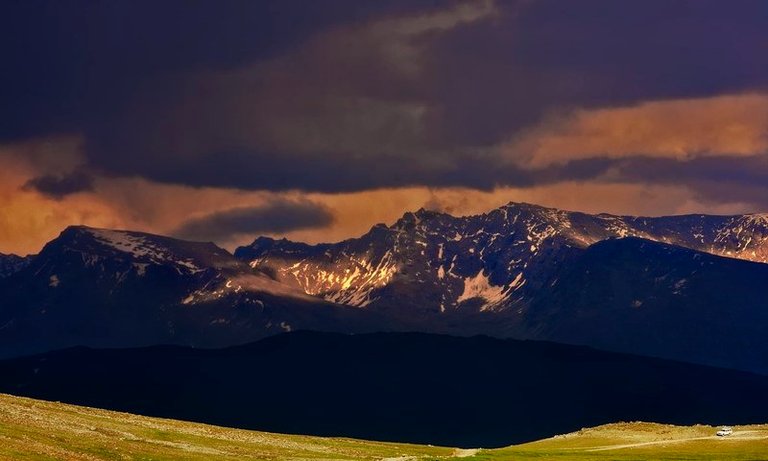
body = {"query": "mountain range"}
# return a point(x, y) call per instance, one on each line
point(107, 288)
point(681, 287)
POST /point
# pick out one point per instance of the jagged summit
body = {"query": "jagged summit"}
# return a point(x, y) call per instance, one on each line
point(527, 205)
point(490, 261)
point(425, 213)
point(533, 207)
point(11, 263)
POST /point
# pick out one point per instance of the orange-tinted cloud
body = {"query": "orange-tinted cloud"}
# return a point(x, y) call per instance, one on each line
point(679, 129)
point(28, 219)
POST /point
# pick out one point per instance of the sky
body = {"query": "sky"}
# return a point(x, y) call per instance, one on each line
point(224, 120)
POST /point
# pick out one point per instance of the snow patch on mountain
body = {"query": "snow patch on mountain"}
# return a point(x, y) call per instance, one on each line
point(743, 237)
point(142, 248)
point(339, 277)
point(480, 286)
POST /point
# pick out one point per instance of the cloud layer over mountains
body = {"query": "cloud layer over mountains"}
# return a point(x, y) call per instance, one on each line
point(216, 110)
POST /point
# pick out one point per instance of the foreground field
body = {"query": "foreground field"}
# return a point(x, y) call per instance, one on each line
point(37, 430)
point(641, 441)
point(34, 429)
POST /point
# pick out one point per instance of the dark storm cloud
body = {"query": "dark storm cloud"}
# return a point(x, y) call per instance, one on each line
point(67, 61)
point(279, 215)
point(346, 95)
point(717, 179)
point(490, 79)
point(340, 173)
point(749, 170)
point(59, 186)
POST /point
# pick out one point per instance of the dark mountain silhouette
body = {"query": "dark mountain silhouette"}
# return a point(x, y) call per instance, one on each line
point(398, 386)
point(10, 264)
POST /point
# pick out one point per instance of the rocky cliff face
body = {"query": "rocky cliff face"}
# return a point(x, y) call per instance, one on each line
point(491, 262)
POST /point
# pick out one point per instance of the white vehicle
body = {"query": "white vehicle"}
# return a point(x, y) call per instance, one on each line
point(725, 431)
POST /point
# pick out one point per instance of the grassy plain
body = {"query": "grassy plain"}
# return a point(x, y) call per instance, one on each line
point(38, 430)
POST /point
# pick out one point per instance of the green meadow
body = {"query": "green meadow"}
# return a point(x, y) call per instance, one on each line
point(38, 430)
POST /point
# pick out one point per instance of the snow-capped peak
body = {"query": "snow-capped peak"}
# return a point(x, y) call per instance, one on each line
point(501, 257)
point(143, 248)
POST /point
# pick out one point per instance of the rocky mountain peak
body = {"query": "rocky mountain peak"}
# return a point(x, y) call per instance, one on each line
point(491, 261)
point(11, 263)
